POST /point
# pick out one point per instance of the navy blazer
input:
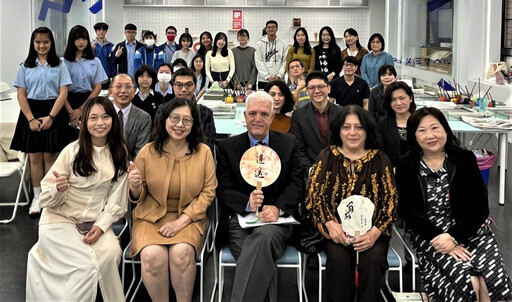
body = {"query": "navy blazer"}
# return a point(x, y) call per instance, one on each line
point(233, 191)
point(122, 61)
point(305, 127)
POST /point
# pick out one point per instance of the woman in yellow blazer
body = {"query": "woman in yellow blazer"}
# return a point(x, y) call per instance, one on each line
point(173, 181)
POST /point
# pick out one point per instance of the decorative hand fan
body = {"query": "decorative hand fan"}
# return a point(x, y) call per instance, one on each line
point(260, 166)
point(356, 214)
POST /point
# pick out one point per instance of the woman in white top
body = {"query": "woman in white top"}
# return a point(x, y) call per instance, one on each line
point(185, 52)
point(84, 192)
point(220, 62)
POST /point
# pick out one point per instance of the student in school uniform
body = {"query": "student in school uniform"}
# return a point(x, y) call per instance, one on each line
point(42, 86)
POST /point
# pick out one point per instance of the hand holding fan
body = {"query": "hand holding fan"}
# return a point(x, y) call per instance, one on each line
point(356, 214)
point(260, 166)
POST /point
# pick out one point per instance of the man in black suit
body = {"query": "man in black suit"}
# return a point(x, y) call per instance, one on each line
point(256, 249)
point(310, 123)
point(123, 55)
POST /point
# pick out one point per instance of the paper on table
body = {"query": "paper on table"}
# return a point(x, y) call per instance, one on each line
point(251, 217)
point(489, 123)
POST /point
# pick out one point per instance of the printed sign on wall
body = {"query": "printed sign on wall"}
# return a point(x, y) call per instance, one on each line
point(237, 19)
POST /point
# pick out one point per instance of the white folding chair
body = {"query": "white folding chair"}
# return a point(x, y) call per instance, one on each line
point(208, 247)
point(290, 259)
point(9, 168)
point(405, 239)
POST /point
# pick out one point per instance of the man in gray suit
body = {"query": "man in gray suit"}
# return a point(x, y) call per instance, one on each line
point(310, 123)
point(135, 122)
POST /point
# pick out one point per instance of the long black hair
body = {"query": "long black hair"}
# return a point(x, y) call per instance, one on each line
point(452, 142)
point(83, 164)
point(285, 90)
point(354, 33)
point(307, 45)
point(333, 46)
point(160, 136)
point(202, 50)
point(224, 50)
point(203, 70)
point(75, 33)
point(51, 58)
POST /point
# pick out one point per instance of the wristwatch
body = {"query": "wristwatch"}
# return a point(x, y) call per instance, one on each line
point(52, 117)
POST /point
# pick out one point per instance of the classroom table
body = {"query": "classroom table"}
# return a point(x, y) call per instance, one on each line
point(461, 128)
point(232, 126)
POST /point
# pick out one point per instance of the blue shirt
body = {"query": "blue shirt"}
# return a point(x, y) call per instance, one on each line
point(42, 82)
point(253, 141)
point(84, 74)
point(169, 90)
point(130, 57)
point(371, 64)
point(200, 82)
point(169, 51)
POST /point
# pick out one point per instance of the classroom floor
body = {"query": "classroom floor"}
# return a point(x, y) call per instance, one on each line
point(20, 235)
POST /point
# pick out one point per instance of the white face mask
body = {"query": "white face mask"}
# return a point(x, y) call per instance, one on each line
point(164, 77)
point(149, 42)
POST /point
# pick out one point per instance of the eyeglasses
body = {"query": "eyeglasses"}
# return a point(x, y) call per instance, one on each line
point(175, 119)
point(187, 85)
point(131, 32)
point(349, 65)
point(120, 87)
point(314, 88)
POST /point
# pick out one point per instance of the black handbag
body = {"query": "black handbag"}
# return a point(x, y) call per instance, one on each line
point(308, 238)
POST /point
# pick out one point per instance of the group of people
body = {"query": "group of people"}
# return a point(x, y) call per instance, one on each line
point(152, 144)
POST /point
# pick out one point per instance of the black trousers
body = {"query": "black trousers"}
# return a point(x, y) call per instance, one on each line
point(340, 271)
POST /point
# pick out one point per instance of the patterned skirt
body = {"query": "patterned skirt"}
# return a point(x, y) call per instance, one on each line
point(446, 279)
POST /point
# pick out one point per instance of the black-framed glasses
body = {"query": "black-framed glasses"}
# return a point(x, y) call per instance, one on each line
point(319, 87)
point(186, 121)
point(188, 85)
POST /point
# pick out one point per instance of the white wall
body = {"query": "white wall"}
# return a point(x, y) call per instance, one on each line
point(216, 19)
point(478, 36)
point(15, 30)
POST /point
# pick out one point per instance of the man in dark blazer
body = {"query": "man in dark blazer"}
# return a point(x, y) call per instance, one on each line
point(184, 83)
point(256, 249)
point(310, 123)
point(123, 54)
point(136, 123)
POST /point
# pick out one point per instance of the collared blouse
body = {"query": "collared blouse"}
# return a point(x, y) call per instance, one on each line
point(85, 74)
point(42, 82)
